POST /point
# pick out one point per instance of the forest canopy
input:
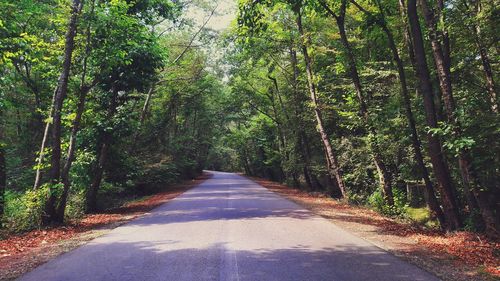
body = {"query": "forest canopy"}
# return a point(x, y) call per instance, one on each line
point(391, 104)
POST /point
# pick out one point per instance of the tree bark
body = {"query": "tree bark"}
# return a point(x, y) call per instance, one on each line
point(471, 182)
point(45, 141)
point(385, 177)
point(440, 167)
point(103, 149)
point(432, 201)
point(333, 165)
point(50, 214)
point(302, 145)
point(3, 169)
point(83, 92)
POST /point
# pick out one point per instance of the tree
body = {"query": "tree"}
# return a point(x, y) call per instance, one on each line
point(119, 33)
point(439, 164)
point(380, 20)
point(58, 99)
point(385, 177)
point(3, 168)
point(332, 162)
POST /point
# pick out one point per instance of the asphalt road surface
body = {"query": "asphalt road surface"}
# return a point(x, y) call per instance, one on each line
point(228, 228)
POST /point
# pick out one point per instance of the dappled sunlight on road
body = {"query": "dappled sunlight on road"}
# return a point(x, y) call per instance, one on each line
point(229, 228)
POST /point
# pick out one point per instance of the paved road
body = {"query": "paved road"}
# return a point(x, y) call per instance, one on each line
point(228, 228)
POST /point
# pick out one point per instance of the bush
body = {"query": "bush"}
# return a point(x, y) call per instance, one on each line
point(23, 211)
point(75, 207)
point(156, 176)
point(376, 200)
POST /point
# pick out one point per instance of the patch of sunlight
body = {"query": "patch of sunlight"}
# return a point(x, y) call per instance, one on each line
point(421, 216)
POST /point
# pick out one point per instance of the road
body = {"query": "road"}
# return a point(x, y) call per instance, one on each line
point(228, 228)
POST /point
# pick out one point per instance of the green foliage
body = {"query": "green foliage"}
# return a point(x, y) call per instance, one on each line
point(23, 210)
point(421, 216)
point(155, 176)
point(76, 205)
point(453, 144)
point(248, 110)
point(376, 200)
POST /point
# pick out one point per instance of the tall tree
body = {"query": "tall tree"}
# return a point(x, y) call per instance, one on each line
point(3, 168)
point(474, 189)
point(440, 167)
point(380, 20)
point(332, 162)
point(60, 94)
point(84, 89)
point(385, 176)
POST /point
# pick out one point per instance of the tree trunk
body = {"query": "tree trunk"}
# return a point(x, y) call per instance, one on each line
point(441, 172)
point(91, 196)
point(333, 165)
point(485, 60)
point(432, 201)
point(385, 177)
point(45, 141)
point(103, 148)
point(3, 170)
point(61, 207)
point(301, 142)
point(472, 185)
point(50, 214)
point(282, 148)
point(144, 113)
point(488, 73)
point(83, 92)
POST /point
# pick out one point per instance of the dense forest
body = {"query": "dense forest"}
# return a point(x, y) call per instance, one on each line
point(368, 101)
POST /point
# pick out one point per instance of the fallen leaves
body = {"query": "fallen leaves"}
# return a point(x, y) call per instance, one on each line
point(16, 247)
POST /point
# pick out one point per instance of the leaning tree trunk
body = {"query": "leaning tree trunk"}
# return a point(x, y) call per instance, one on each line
point(84, 90)
point(103, 149)
point(61, 207)
point(45, 141)
point(475, 193)
point(333, 165)
point(488, 73)
point(483, 53)
point(440, 167)
point(441, 61)
point(432, 201)
point(281, 129)
point(385, 177)
point(50, 214)
point(302, 145)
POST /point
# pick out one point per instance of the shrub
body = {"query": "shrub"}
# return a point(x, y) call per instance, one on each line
point(376, 200)
point(23, 211)
point(75, 207)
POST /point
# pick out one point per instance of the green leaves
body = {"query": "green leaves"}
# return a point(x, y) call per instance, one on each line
point(452, 143)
